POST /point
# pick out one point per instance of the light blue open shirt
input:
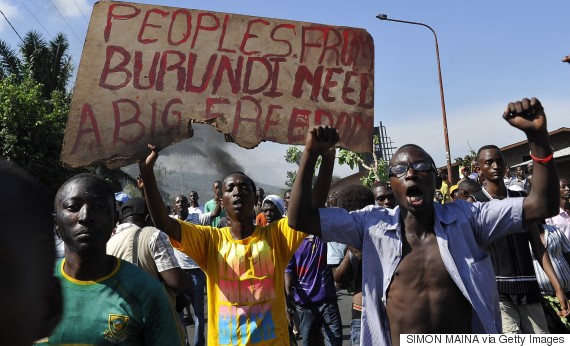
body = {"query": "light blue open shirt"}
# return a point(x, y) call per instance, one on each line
point(462, 230)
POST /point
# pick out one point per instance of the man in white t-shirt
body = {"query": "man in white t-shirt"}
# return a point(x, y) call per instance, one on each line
point(194, 206)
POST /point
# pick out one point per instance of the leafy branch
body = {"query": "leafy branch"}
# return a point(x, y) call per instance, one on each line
point(376, 171)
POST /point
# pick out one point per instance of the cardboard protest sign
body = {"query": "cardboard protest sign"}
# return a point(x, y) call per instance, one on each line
point(147, 72)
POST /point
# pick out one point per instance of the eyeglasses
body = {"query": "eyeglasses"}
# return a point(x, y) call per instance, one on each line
point(398, 171)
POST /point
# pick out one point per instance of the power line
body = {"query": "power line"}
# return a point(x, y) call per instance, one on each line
point(12, 26)
point(62, 17)
point(86, 21)
point(47, 32)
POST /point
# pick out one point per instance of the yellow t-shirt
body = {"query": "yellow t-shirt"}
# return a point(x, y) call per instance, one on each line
point(445, 192)
point(246, 300)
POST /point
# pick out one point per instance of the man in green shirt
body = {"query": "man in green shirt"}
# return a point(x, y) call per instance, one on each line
point(107, 301)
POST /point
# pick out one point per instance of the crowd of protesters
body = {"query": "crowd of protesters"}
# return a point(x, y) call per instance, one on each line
point(488, 254)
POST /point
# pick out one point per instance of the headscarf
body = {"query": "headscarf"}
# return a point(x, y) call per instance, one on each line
point(121, 197)
point(277, 201)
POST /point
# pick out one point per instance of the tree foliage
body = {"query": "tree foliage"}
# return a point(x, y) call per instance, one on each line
point(31, 128)
point(47, 63)
point(376, 171)
point(293, 155)
point(31, 134)
point(34, 104)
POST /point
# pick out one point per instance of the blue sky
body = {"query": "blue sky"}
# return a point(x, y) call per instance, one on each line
point(492, 52)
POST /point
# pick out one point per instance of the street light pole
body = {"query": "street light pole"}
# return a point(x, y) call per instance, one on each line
point(444, 116)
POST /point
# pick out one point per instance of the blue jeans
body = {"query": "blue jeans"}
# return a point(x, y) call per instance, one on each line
point(355, 332)
point(318, 321)
point(195, 292)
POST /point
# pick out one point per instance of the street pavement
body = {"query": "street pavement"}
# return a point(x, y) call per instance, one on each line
point(344, 305)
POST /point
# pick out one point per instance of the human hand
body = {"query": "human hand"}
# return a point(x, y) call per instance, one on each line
point(526, 115)
point(320, 139)
point(150, 160)
point(564, 312)
point(566, 59)
point(140, 182)
point(355, 252)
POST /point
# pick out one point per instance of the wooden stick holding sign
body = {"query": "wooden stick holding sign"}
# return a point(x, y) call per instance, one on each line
point(147, 72)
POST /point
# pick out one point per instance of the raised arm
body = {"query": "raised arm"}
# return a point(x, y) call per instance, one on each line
point(324, 179)
point(153, 198)
point(542, 201)
point(302, 212)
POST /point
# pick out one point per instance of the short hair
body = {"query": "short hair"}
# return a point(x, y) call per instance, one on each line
point(249, 180)
point(86, 176)
point(430, 159)
point(469, 185)
point(182, 197)
point(354, 197)
point(385, 184)
point(487, 147)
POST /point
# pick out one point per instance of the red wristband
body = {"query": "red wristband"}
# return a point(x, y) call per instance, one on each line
point(544, 160)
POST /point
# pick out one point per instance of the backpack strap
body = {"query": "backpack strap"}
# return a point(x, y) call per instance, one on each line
point(136, 247)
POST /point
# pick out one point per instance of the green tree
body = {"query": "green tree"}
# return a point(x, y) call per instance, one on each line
point(48, 63)
point(293, 155)
point(377, 170)
point(468, 160)
point(34, 104)
point(31, 128)
point(31, 133)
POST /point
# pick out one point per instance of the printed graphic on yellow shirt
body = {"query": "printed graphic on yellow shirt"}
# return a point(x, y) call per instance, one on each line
point(246, 294)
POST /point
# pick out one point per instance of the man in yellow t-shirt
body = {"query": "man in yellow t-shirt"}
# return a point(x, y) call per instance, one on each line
point(244, 263)
point(444, 187)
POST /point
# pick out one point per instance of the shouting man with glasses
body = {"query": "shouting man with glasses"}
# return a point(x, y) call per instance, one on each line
point(426, 268)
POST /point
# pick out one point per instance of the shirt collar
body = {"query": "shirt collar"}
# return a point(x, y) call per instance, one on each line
point(124, 226)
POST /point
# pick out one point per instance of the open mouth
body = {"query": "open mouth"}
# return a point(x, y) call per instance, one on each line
point(415, 195)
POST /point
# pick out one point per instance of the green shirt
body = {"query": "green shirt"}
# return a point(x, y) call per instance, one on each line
point(126, 307)
point(211, 206)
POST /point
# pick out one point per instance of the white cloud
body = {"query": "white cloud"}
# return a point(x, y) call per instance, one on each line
point(470, 127)
point(73, 8)
point(11, 12)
